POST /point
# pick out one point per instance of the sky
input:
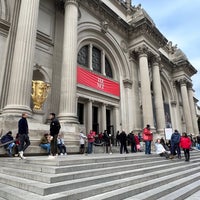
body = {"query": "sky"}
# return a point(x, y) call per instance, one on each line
point(179, 22)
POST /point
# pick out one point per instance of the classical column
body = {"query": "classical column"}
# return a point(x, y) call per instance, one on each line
point(116, 119)
point(176, 122)
point(192, 108)
point(186, 106)
point(103, 117)
point(69, 64)
point(136, 112)
point(145, 87)
point(129, 124)
point(158, 97)
point(89, 115)
point(23, 59)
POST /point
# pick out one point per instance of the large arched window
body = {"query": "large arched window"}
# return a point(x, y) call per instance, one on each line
point(92, 57)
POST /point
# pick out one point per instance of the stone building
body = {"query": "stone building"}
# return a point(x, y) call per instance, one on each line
point(107, 64)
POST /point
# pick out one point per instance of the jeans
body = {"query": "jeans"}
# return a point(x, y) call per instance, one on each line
point(62, 148)
point(46, 147)
point(23, 138)
point(147, 147)
point(9, 148)
point(198, 146)
point(174, 148)
point(90, 147)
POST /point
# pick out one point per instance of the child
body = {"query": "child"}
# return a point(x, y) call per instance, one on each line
point(185, 144)
point(61, 146)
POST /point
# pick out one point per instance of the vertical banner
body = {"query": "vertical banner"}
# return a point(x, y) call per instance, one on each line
point(98, 82)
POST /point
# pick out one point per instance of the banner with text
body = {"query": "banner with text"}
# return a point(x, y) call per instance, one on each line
point(92, 80)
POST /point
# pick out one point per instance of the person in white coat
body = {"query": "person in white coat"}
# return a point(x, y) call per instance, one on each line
point(160, 150)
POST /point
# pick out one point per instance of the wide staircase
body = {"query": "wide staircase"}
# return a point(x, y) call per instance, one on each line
point(100, 176)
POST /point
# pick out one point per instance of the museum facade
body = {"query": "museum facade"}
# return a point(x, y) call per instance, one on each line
point(97, 64)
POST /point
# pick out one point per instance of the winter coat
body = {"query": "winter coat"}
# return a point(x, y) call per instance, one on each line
point(175, 138)
point(185, 142)
point(54, 127)
point(6, 138)
point(123, 137)
point(159, 148)
point(23, 126)
point(91, 137)
point(147, 135)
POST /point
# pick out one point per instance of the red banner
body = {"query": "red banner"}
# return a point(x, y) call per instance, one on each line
point(92, 80)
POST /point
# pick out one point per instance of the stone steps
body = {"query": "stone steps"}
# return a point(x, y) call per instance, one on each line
point(126, 176)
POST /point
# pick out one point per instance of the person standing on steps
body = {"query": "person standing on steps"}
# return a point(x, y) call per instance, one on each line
point(185, 144)
point(123, 140)
point(175, 140)
point(23, 131)
point(54, 130)
point(147, 138)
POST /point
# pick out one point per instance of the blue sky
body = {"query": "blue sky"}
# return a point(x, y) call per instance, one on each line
point(179, 22)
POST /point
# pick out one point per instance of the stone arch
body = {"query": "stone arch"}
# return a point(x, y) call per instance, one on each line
point(39, 73)
point(167, 89)
point(89, 32)
point(4, 10)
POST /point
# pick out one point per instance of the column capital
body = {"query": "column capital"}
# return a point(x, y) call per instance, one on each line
point(141, 50)
point(183, 82)
point(156, 60)
point(75, 2)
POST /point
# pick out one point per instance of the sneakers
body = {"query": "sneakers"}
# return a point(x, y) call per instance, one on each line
point(61, 154)
point(21, 155)
point(51, 157)
point(65, 154)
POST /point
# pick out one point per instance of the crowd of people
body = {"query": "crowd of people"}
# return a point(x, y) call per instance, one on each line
point(53, 142)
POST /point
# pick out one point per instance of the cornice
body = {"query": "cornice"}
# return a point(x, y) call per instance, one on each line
point(102, 12)
point(144, 27)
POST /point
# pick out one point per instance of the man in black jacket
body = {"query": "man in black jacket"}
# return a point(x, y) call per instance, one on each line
point(54, 130)
point(123, 139)
point(24, 141)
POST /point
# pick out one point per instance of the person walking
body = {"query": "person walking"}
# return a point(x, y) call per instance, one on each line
point(147, 138)
point(54, 130)
point(23, 131)
point(175, 140)
point(123, 140)
point(185, 144)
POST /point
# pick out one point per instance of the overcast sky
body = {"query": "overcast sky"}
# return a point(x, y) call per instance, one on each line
point(179, 22)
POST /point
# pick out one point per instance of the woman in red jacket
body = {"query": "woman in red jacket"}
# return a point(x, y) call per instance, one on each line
point(185, 144)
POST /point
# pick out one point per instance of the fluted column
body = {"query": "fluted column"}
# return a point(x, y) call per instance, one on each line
point(67, 111)
point(186, 106)
point(23, 59)
point(89, 116)
point(158, 97)
point(103, 117)
point(145, 87)
point(192, 108)
point(176, 122)
point(116, 118)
